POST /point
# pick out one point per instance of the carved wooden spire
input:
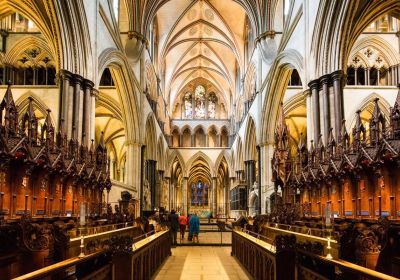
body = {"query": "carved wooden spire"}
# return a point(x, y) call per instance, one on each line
point(101, 152)
point(358, 131)
point(9, 112)
point(29, 123)
point(61, 138)
point(281, 133)
point(331, 144)
point(313, 153)
point(344, 140)
point(321, 149)
point(303, 153)
point(376, 124)
point(48, 131)
point(395, 116)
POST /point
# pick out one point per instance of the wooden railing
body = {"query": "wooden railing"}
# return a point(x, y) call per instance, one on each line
point(261, 259)
point(146, 258)
point(311, 266)
point(147, 253)
point(264, 258)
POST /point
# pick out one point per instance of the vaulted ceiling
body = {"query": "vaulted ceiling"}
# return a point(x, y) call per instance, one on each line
point(200, 39)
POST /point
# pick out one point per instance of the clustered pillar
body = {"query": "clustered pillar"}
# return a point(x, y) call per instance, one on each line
point(76, 106)
point(326, 94)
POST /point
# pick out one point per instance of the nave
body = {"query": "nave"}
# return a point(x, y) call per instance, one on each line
point(201, 263)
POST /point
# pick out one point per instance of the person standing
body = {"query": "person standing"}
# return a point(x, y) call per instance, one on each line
point(174, 226)
point(182, 226)
point(194, 227)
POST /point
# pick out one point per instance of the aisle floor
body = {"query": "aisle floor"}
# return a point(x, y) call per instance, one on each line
point(201, 263)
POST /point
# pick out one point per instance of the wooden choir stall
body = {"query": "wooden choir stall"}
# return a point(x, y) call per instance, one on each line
point(349, 186)
point(45, 181)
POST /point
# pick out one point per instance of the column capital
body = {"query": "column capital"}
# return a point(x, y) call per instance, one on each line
point(133, 143)
point(325, 79)
point(137, 36)
point(87, 84)
point(313, 84)
point(77, 79)
point(94, 92)
point(65, 74)
point(337, 75)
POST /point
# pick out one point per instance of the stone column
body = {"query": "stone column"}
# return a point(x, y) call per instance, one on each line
point(93, 97)
point(355, 76)
point(315, 108)
point(77, 111)
point(310, 117)
point(64, 104)
point(258, 210)
point(337, 78)
point(324, 80)
point(87, 110)
point(367, 76)
point(151, 177)
point(185, 195)
point(214, 196)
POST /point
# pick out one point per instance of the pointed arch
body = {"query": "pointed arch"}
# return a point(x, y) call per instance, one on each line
point(250, 140)
point(161, 155)
point(276, 87)
point(23, 102)
point(200, 156)
point(127, 88)
point(175, 155)
point(150, 138)
point(224, 155)
point(367, 104)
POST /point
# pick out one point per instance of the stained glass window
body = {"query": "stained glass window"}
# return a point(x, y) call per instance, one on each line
point(188, 105)
point(199, 194)
point(212, 99)
point(200, 102)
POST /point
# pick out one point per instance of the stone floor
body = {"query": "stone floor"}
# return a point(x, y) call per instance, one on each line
point(201, 263)
point(209, 237)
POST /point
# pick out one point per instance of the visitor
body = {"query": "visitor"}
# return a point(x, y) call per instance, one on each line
point(182, 225)
point(194, 227)
point(174, 225)
point(190, 234)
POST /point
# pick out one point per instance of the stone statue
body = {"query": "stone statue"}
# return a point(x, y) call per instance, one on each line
point(146, 195)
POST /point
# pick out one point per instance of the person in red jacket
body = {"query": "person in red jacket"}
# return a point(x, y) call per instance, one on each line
point(182, 225)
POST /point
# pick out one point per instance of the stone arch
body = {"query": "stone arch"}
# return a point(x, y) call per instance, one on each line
point(280, 74)
point(225, 155)
point(64, 26)
point(161, 154)
point(250, 82)
point(205, 158)
point(388, 52)
point(367, 104)
point(150, 138)
point(337, 27)
point(151, 80)
point(175, 155)
point(239, 155)
point(22, 45)
point(250, 142)
point(127, 88)
point(212, 135)
point(23, 102)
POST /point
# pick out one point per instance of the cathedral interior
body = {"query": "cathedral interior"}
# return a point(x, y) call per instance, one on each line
point(271, 127)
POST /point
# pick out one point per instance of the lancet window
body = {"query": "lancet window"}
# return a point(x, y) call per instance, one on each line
point(199, 105)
